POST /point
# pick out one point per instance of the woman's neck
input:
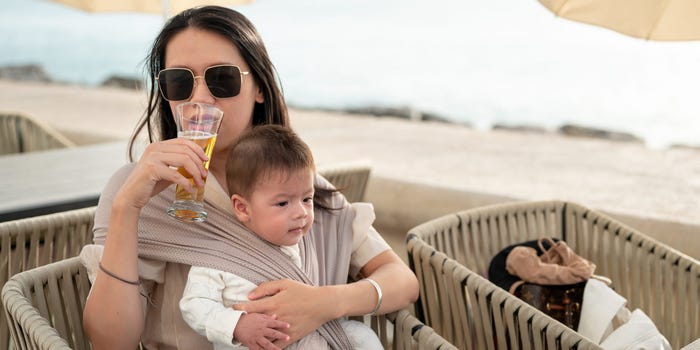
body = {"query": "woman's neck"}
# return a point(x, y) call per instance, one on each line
point(217, 168)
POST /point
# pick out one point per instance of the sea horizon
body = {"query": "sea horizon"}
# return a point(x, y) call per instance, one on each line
point(483, 64)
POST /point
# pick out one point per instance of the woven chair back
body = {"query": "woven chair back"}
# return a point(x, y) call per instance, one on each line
point(350, 178)
point(32, 242)
point(20, 133)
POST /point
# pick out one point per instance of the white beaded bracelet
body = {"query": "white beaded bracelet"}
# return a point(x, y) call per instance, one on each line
point(379, 294)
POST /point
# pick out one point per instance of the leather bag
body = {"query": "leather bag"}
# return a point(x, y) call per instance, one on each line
point(546, 274)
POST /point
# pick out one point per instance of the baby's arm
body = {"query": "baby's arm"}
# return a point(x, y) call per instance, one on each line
point(204, 309)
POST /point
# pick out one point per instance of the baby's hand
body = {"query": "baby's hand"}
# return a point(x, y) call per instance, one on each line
point(259, 331)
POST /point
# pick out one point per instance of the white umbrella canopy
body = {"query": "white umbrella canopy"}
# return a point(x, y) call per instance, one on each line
point(165, 7)
point(663, 20)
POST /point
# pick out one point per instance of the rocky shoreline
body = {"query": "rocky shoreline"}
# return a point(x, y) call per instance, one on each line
point(36, 73)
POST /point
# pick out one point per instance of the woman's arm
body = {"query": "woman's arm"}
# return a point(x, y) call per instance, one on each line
point(306, 307)
point(398, 283)
point(114, 317)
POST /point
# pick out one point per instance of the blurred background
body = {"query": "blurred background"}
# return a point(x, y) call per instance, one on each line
point(482, 63)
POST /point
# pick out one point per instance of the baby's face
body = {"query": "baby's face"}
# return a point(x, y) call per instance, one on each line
point(281, 207)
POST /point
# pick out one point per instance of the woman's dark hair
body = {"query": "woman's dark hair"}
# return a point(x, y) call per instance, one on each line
point(158, 118)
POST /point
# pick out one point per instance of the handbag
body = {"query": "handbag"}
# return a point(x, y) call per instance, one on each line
point(560, 302)
point(546, 274)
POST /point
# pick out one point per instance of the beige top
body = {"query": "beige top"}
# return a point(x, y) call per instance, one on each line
point(165, 328)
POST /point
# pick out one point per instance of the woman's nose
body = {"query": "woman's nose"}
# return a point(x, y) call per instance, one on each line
point(201, 92)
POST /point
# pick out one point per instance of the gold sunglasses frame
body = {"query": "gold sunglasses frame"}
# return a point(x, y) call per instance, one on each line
point(194, 80)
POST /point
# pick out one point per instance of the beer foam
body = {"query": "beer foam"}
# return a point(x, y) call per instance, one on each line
point(196, 134)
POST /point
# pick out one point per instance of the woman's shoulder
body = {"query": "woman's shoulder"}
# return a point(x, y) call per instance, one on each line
point(124, 171)
point(115, 182)
point(104, 206)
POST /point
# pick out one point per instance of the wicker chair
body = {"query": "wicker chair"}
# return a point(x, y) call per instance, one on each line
point(350, 178)
point(32, 242)
point(44, 306)
point(451, 253)
point(20, 133)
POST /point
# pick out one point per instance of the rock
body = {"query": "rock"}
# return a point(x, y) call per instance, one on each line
point(400, 112)
point(685, 146)
point(432, 117)
point(520, 128)
point(123, 82)
point(26, 72)
point(583, 131)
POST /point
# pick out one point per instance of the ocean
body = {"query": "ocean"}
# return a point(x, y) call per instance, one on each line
point(477, 62)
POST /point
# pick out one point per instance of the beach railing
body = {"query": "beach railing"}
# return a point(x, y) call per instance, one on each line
point(450, 255)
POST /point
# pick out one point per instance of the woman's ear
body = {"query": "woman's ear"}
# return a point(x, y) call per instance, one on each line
point(240, 208)
point(259, 98)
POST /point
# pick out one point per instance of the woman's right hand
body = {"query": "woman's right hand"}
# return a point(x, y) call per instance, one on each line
point(158, 168)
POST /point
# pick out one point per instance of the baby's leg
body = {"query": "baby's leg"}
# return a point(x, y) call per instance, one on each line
point(361, 336)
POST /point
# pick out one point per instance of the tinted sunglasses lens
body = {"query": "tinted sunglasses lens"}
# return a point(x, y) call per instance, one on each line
point(175, 84)
point(223, 81)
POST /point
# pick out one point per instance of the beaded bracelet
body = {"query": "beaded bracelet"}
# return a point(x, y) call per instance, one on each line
point(111, 274)
point(379, 295)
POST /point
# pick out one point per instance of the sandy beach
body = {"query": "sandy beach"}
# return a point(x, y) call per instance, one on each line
point(422, 170)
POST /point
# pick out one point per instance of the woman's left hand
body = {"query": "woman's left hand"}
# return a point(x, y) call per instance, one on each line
point(304, 307)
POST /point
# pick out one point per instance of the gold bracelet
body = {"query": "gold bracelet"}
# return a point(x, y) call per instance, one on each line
point(111, 274)
point(379, 294)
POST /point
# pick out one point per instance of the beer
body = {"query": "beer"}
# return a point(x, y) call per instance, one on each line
point(198, 122)
point(206, 140)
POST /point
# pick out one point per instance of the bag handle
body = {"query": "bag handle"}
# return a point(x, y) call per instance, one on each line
point(552, 243)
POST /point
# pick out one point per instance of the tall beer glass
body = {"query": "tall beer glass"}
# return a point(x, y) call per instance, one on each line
point(200, 123)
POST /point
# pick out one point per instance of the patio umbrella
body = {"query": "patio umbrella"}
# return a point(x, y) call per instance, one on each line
point(166, 7)
point(668, 20)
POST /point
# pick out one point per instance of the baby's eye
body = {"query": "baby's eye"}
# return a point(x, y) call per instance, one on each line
point(282, 204)
point(309, 200)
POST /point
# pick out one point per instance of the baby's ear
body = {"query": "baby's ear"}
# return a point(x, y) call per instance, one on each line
point(240, 208)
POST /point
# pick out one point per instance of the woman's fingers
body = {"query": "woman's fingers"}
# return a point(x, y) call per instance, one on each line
point(162, 164)
point(266, 289)
point(258, 303)
point(181, 146)
point(173, 160)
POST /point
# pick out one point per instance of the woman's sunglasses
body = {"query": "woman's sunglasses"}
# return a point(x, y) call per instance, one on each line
point(223, 81)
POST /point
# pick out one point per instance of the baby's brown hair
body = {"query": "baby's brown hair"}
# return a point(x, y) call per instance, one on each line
point(263, 152)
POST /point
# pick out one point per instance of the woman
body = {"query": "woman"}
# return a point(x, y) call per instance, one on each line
point(135, 295)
